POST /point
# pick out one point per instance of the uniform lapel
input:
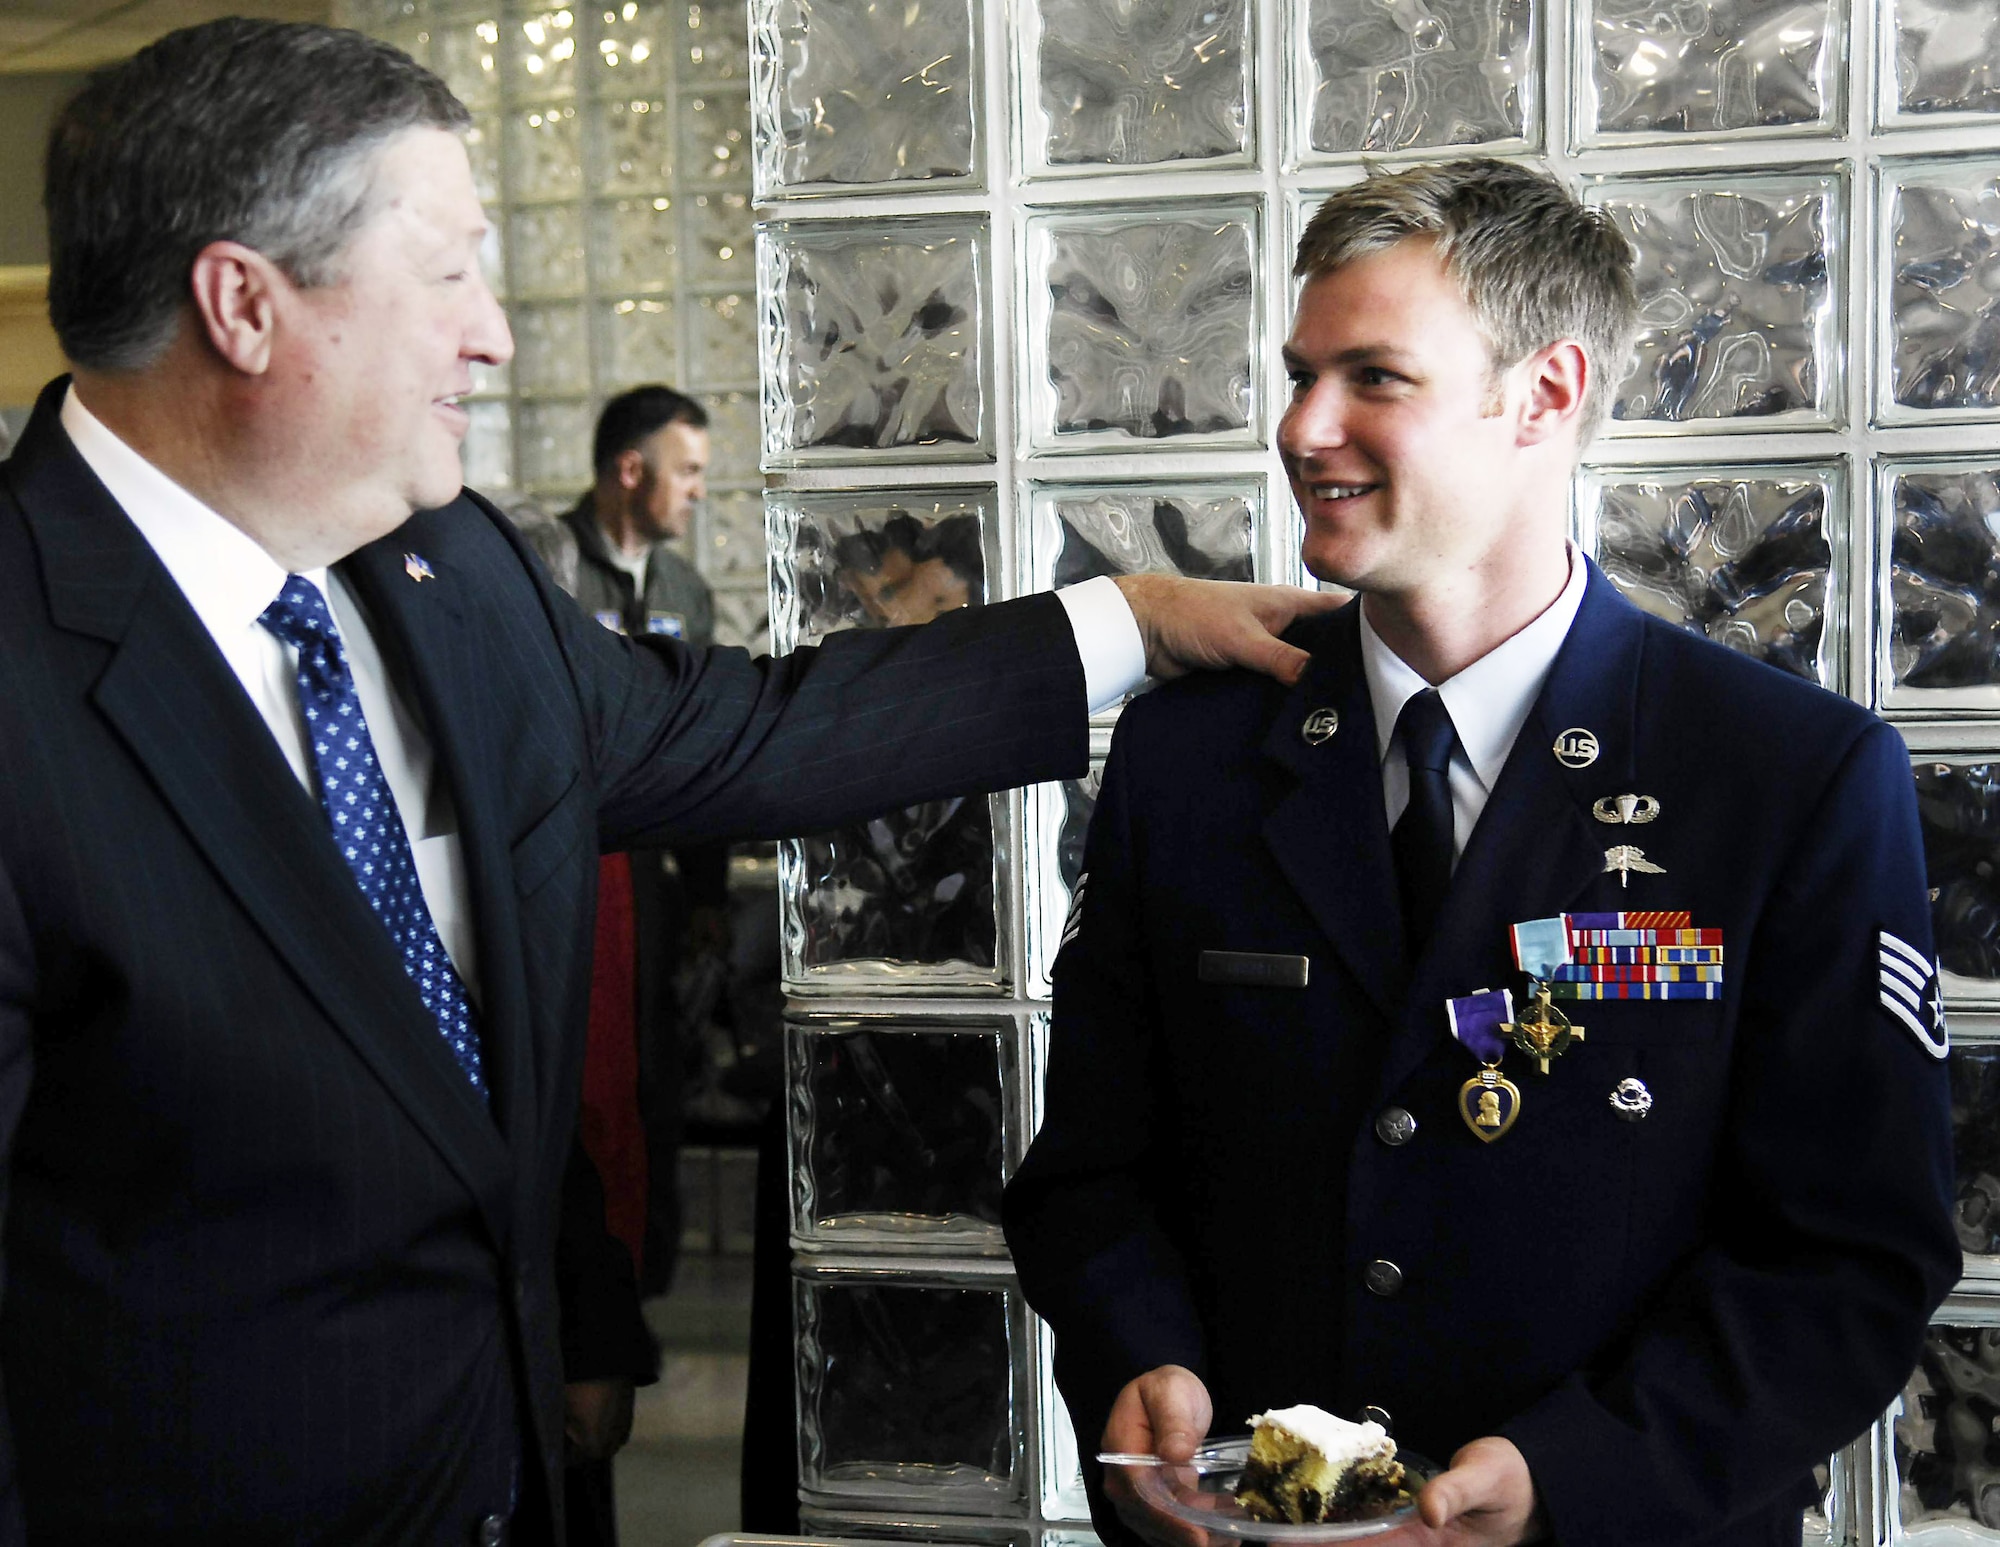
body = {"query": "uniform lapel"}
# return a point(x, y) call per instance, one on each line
point(422, 627)
point(173, 701)
point(1329, 833)
point(1536, 848)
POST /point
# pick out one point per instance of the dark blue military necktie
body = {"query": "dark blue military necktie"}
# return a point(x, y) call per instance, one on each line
point(1422, 841)
point(367, 827)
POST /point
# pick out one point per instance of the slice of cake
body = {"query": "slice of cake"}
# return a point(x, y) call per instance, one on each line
point(1307, 1465)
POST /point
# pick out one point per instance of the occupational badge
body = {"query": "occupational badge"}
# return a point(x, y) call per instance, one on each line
point(1628, 810)
point(1631, 1100)
point(1624, 858)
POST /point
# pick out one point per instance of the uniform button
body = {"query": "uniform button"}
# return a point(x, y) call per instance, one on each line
point(1382, 1277)
point(492, 1532)
point(1395, 1126)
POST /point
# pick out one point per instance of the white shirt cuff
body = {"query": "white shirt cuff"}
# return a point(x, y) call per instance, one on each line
point(1107, 638)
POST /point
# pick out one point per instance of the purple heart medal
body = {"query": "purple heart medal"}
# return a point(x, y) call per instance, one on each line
point(1488, 1103)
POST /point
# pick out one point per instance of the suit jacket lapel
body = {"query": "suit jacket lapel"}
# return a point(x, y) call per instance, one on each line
point(174, 702)
point(421, 628)
point(1330, 834)
point(1536, 848)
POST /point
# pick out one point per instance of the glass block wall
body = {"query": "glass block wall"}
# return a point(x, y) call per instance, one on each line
point(611, 143)
point(1022, 272)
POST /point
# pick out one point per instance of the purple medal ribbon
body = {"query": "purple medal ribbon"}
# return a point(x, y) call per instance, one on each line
point(1476, 1020)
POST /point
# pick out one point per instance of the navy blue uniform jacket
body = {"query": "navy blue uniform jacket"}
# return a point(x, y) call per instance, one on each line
point(1673, 1318)
point(273, 1272)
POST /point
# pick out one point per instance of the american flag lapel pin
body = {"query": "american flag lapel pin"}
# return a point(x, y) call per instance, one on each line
point(415, 567)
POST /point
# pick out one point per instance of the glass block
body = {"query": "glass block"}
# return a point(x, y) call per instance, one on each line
point(875, 337)
point(1142, 83)
point(634, 244)
point(725, 340)
point(1738, 308)
point(1744, 555)
point(1944, 1434)
point(732, 440)
point(639, 342)
point(1946, 58)
point(482, 149)
point(1975, 1128)
point(1063, 1497)
point(490, 380)
point(722, 240)
point(1958, 808)
point(743, 618)
point(903, 1132)
point(860, 94)
point(1939, 584)
point(544, 153)
point(1142, 326)
point(551, 349)
point(1059, 821)
point(910, 1390)
point(1942, 312)
point(546, 248)
point(735, 542)
point(1406, 76)
point(487, 451)
point(553, 447)
point(909, 901)
point(1207, 531)
point(715, 136)
point(1705, 66)
point(718, 42)
point(542, 46)
point(638, 146)
point(467, 55)
point(635, 48)
point(837, 1527)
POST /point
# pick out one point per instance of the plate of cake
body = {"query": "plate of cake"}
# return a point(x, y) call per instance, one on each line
point(1299, 1475)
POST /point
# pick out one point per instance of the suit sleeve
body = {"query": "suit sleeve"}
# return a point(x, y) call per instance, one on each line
point(696, 744)
point(1083, 1213)
point(17, 994)
point(1801, 1319)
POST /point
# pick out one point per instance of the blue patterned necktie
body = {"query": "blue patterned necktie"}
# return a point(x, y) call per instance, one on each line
point(367, 827)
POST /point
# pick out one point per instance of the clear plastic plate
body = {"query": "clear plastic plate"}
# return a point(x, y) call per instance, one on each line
point(1203, 1493)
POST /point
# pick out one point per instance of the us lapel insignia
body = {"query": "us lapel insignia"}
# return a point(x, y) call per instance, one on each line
point(1488, 1103)
point(1320, 726)
point(1576, 748)
point(1627, 810)
point(415, 567)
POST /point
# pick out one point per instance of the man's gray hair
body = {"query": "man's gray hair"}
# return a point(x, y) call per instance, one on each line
point(264, 133)
point(1533, 264)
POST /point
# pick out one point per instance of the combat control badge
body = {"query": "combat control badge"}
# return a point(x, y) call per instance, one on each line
point(1912, 991)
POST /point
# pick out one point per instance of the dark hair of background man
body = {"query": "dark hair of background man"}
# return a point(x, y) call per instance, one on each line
point(629, 418)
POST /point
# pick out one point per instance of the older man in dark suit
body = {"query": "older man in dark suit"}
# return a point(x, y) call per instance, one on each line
point(1636, 1280)
point(299, 827)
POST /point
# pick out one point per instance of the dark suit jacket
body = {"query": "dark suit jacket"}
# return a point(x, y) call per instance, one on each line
point(1673, 1318)
point(272, 1270)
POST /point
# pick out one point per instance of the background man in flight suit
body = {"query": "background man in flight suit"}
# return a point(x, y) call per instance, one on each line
point(1700, 1253)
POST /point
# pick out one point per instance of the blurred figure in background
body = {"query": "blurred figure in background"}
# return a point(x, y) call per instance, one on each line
point(611, 551)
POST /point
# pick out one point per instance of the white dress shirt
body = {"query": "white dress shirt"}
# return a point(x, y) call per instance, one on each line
point(228, 579)
point(1488, 703)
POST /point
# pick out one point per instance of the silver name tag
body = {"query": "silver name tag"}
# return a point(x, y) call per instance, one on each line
point(1254, 969)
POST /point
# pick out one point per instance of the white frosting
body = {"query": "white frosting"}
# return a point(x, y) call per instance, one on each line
point(1341, 1442)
